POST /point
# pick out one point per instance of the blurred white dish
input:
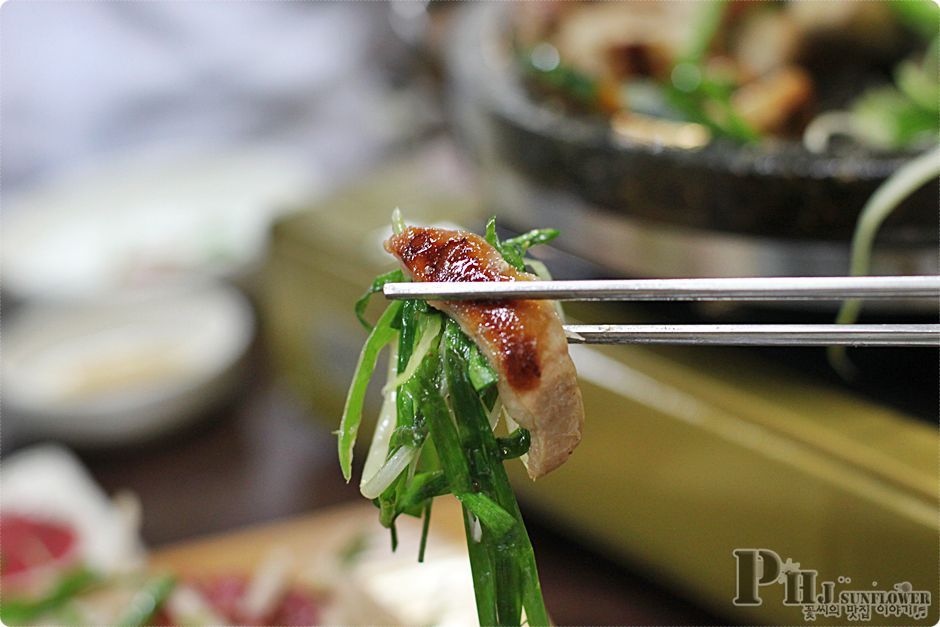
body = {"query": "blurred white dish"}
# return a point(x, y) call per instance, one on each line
point(122, 370)
point(147, 218)
point(48, 482)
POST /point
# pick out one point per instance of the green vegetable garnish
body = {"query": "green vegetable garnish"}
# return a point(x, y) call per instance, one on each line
point(905, 181)
point(707, 101)
point(921, 16)
point(395, 276)
point(579, 87)
point(908, 113)
point(707, 23)
point(709, 104)
point(381, 335)
point(888, 119)
point(435, 437)
point(146, 601)
point(514, 249)
point(14, 611)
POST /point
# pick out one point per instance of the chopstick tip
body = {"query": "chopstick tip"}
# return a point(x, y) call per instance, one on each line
point(573, 336)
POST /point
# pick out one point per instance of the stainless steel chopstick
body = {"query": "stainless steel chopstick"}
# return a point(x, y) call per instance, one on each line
point(757, 334)
point(714, 289)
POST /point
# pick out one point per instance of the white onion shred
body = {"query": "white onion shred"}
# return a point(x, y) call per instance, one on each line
point(385, 425)
point(820, 131)
point(429, 329)
point(413, 466)
point(476, 530)
point(398, 223)
point(444, 389)
point(495, 412)
point(268, 584)
point(388, 473)
point(512, 425)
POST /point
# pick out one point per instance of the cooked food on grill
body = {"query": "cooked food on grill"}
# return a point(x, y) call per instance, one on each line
point(682, 73)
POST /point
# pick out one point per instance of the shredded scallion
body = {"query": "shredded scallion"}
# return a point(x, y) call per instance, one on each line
point(435, 436)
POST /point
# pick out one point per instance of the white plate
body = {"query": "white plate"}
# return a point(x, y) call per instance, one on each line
point(122, 370)
point(48, 482)
point(147, 218)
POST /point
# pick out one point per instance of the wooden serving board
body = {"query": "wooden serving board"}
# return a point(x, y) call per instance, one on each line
point(366, 591)
point(305, 537)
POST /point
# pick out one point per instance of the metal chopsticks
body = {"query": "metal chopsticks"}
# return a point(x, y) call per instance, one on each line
point(757, 334)
point(712, 289)
point(743, 289)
